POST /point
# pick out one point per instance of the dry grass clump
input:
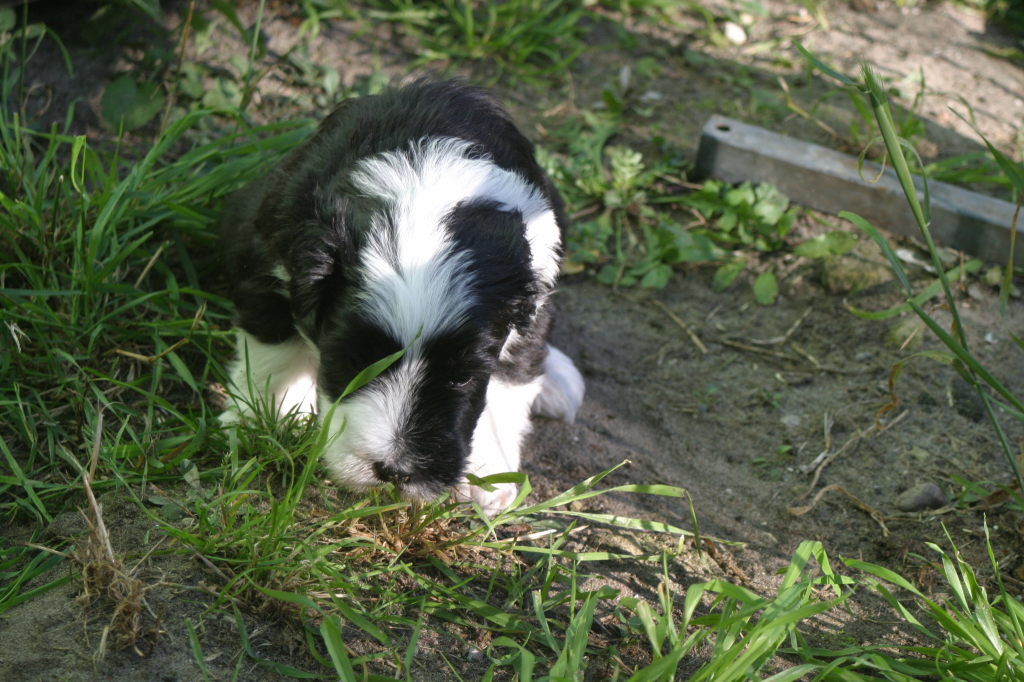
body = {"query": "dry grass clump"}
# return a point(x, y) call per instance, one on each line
point(104, 575)
point(409, 533)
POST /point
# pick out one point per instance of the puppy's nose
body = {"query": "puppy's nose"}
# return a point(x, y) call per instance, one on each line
point(389, 473)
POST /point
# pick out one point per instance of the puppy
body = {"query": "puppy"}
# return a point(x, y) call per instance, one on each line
point(417, 220)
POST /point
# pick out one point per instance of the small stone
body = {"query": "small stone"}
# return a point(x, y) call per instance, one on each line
point(791, 420)
point(625, 77)
point(920, 497)
point(993, 276)
point(474, 655)
point(734, 33)
point(927, 149)
point(920, 454)
point(849, 275)
point(949, 257)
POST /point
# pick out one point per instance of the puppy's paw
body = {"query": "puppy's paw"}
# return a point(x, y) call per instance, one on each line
point(561, 393)
point(297, 395)
point(232, 416)
point(492, 502)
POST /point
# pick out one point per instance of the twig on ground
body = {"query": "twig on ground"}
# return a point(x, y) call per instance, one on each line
point(816, 366)
point(779, 340)
point(149, 265)
point(810, 358)
point(212, 566)
point(827, 422)
point(739, 345)
point(682, 325)
point(726, 561)
point(835, 487)
point(827, 456)
point(150, 359)
point(537, 535)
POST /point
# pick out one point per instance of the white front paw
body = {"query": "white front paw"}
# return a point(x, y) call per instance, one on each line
point(492, 502)
point(562, 390)
point(232, 416)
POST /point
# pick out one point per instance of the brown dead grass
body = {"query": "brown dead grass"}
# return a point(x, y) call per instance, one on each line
point(106, 582)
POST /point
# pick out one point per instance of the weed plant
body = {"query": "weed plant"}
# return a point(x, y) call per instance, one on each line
point(629, 220)
point(617, 227)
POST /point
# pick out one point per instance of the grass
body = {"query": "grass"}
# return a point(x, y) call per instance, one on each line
point(526, 40)
point(103, 301)
point(113, 340)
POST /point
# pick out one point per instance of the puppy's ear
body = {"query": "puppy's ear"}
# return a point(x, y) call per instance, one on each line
point(500, 258)
point(320, 249)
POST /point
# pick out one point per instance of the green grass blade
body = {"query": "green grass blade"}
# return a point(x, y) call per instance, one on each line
point(968, 359)
point(570, 659)
point(330, 631)
point(197, 650)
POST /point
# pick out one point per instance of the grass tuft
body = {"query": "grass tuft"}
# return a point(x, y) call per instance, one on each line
point(104, 574)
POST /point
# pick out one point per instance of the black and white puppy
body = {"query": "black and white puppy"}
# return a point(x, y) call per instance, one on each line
point(415, 219)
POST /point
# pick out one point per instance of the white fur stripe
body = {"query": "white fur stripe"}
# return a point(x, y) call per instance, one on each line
point(368, 424)
point(415, 281)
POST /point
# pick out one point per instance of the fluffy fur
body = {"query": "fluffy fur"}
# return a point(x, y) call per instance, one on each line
point(417, 219)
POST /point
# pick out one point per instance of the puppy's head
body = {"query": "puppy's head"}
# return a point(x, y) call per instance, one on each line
point(413, 424)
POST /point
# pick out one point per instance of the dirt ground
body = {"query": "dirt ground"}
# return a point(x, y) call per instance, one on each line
point(737, 407)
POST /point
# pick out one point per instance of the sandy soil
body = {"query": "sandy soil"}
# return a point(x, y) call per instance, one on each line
point(737, 419)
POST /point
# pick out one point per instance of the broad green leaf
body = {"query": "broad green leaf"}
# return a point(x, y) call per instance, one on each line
point(225, 93)
point(657, 277)
point(834, 243)
point(130, 104)
point(766, 289)
point(609, 274)
point(769, 204)
point(744, 194)
point(693, 247)
point(727, 274)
